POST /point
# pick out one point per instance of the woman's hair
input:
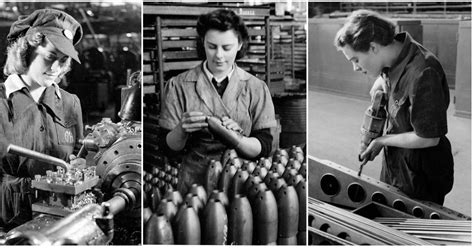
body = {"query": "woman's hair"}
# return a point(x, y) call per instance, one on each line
point(222, 20)
point(21, 51)
point(363, 27)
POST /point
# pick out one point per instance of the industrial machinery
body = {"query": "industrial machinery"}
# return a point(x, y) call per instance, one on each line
point(101, 203)
point(348, 209)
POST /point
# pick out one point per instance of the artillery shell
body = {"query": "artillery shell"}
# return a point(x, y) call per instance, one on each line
point(249, 166)
point(254, 190)
point(270, 177)
point(278, 168)
point(146, 214)
point(221, 197)
point(168, 209)
point(187, 226)
point(281, 152)
point(174, 196)
point(227, 155)
point(155, 199)
point(302, 170)
point(301, 191)
point(226, 178)
point(264, 162)
point(213, 173)
point(276, 185)
point(158, 230)
point(238, 183)
point(199, 191)
point(195, 202)
point(260, 171)
point(252, 180)
point(280, 159)
point(240, 222)
point(265, 219)
point(288, 212)
point(227, 136)
point(237, 162)
point(214, 223)
point(295, 164)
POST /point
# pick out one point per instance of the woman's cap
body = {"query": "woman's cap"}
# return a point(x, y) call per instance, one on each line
point(60, 28)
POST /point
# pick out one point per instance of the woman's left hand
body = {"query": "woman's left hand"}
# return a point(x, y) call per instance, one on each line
point(372, 150)
point(76, 162)
point(231, 124)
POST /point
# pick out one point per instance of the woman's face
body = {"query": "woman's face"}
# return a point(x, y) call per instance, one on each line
point(46, 65)
point(368, 63)
point(221, 49)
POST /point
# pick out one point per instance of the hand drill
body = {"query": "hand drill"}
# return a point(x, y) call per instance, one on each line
point(372, 124)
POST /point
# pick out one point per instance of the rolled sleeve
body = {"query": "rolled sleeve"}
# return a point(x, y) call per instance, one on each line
point(263, 111)
point(428, 111)
point(172, 108)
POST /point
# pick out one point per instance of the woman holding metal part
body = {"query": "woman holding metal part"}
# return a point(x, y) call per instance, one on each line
point(217, 91)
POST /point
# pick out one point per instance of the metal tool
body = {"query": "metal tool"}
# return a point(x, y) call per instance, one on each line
point(362, 166)
point(374, 120)
point(21, 151)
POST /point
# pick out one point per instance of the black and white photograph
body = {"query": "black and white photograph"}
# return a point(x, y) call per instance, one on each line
point(225, 121)
point(70, 132)
point(251, 122)
point(389, 109)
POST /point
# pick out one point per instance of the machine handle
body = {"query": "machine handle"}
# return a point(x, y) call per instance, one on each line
point(21, 151)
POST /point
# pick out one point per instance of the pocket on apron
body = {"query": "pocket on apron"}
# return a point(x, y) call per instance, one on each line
point(15, 201)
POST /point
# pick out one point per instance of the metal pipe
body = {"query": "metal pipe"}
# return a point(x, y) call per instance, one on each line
point(362, 225)
point(329, 236)
point(117, 204)
point(21, 151)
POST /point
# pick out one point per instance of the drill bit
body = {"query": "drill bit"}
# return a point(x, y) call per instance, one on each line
point(362, 166)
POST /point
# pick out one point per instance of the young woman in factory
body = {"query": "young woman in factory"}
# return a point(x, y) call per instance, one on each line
point(217, 87)
point(34, 112)
point(417, 155)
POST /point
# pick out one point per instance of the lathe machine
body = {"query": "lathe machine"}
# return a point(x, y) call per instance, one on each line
point(96, 205)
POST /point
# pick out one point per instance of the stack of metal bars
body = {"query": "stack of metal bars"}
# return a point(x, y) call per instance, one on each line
point(357, 229)
point(439, 232)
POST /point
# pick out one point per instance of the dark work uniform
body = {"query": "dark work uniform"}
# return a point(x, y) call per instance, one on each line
point(418, 101)
point(52, 126)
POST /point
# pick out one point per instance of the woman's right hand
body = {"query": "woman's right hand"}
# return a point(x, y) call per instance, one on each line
point(190, 122)
point(193, 121)
point(379, 84)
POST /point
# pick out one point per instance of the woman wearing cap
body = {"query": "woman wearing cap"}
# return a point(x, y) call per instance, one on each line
point(417, 155)
point(217, 87)
point(34, 112)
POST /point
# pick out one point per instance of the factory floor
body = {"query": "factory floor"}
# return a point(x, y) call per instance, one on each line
point(333, 134)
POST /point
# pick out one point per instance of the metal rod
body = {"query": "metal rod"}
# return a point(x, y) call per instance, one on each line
point(329, 236)
point(21, 151)
point(362, 225)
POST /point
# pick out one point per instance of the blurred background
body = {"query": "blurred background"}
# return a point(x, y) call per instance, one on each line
point(110, 50)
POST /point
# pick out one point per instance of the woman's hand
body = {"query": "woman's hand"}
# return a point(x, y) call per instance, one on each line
point(379, 84)
point(193, 121)
point(78, 163)
point(190, 122)
point(231, 124)
point(372, 150)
